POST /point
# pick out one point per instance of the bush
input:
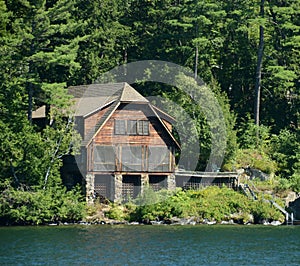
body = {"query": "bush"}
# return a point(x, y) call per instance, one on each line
point(116, 212)
point(262, 210)
point(28, 207)
point(286, 152)
point(295, 182)
point(255, 159)
point(212, 203)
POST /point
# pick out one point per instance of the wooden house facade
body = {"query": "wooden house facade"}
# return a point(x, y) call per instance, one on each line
point(127, 142)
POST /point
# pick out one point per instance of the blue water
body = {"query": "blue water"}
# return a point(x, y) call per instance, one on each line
point(150, 245)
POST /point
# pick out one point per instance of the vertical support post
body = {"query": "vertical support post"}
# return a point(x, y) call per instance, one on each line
point(144, 182)
point(90, 188)
point(117, 185)
point(171, 182)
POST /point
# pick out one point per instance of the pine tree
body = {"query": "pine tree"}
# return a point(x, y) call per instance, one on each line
point(45, 49)
point(38, 52)
point(106, 38)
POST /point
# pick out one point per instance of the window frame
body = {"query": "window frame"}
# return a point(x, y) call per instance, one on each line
point(132, 127)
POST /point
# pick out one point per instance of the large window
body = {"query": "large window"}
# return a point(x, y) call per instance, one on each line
point(104, 158)
point(132, 127)
point(158, 159)
point(132, 158)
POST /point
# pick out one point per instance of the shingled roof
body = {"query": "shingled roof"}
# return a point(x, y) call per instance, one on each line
point(89, 99)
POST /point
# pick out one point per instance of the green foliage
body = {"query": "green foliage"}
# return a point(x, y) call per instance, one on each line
point(116, 212)
point(295, 182)
point(46, 45)
point(251, 136)
point(203, 122)
point(263, 211)
point(286, 151)
point(25, 206)
point(255, 159)
point(212, 203)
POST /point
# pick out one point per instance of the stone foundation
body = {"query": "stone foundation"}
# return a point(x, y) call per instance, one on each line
point(171, 182)
point(144, 181)
point(90, 188)
point(117, 188)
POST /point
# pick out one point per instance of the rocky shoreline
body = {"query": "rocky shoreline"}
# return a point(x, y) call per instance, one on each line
point(172, 221)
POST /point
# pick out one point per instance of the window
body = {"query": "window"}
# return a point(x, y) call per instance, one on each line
point(120, 127)
point(132, 158)
point(143, 127)
point(104, 158)
point(158, 159)
point(132, 127)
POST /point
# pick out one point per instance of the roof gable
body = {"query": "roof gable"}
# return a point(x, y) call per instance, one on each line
point(89, 99)
point(129, 94)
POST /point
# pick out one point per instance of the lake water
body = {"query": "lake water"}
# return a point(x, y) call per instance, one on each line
point(150, 245)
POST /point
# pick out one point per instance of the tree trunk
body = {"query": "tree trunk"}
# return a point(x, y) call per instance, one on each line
point(196, 62)
point(259, 68)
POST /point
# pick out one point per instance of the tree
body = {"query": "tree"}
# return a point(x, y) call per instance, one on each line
point(106, 38)
point(39, 52)
point(259, 66)
point(282, 59)
point(45, 49)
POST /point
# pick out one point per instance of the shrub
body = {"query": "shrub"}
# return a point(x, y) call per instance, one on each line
point(116, 212)
point(255, 159)
point(34, 207)
point(295, 182)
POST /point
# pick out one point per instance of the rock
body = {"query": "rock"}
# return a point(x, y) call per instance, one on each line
point(224, 222)
point(206, 221)
point(256, 173)
point(291, 197)
point(175, 220)
point(276, 223)
point(212, 222)
point(264, 222)
point(156, 222)
point(249, 220)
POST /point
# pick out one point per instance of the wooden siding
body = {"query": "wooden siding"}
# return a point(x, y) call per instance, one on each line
point(91, 121)
point(154, 152)
point(168, 125)
point(157, 134)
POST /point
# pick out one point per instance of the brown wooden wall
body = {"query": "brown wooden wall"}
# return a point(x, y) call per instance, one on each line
point(157, 134)
point(92, 120)
point(168, 125)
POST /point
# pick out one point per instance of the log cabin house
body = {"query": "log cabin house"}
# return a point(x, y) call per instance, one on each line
point(127, 143)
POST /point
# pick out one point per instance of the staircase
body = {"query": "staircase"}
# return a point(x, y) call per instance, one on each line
point(248, 191)
point(289, 217)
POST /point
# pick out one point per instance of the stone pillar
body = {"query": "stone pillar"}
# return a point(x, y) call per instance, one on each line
point(144, 182)
point(90, 188)
point(171, 182)
point(117, 188)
